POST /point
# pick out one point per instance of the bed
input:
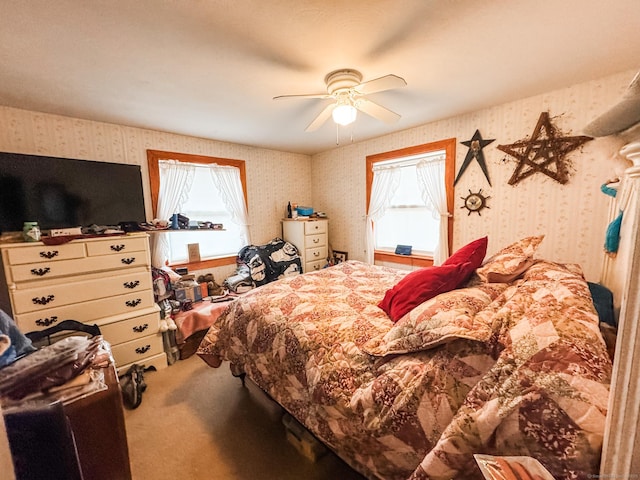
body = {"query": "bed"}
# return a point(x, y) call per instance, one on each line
point(406, 375)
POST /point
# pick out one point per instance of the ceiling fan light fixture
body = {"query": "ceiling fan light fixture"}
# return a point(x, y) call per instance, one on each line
point(344, 114)
point(345, 86)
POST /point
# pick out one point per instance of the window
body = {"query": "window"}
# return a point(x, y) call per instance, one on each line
point(403, 212)
point(209, 190)
point(408, 219)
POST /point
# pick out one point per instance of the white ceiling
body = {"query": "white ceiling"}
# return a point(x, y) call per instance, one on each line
point(210, 68)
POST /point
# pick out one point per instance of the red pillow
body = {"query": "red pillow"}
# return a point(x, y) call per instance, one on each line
point(473, 253)
point(419, 286)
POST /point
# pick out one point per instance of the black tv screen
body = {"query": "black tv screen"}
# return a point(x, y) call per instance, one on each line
point(63, 193)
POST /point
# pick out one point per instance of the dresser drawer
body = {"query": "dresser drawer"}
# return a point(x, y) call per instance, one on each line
point(313, 227)
point(313, 266)
point(311, 241)
point(117, 245)
point(157, 361)
point(138, 349)
point(87, 312)
point(41, 270)
point(130, 329)
point(315, 254)
point(52, 296)
point(44, 253)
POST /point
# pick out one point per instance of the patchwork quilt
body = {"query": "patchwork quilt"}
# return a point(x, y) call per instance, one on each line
point(516, 368)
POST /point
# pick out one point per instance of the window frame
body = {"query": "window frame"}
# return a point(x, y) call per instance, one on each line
point(449, 147)
point(154, 156)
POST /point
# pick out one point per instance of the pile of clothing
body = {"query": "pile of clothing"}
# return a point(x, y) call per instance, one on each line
point(13, 343)
point(269, 262)
point(63, 371)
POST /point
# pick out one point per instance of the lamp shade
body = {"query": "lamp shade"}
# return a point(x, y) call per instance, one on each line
point(344, 114)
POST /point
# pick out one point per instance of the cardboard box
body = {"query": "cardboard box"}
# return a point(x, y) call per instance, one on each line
point(302, 439)
point(188, 293)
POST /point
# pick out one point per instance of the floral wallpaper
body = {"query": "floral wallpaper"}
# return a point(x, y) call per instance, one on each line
point(573, 217)
point(273, 178)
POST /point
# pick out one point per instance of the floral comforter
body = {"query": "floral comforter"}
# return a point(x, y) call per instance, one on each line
point(494, 368)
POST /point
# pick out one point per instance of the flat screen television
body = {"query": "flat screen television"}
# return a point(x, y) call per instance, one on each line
point(62, 192)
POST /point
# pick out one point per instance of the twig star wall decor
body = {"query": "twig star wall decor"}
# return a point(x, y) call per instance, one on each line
point(544, 152)
point(476, 144)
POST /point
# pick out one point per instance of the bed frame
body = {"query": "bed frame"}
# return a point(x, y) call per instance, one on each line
point(621, 448)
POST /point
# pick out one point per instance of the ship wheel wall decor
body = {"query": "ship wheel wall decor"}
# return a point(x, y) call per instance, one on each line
point(474, 202)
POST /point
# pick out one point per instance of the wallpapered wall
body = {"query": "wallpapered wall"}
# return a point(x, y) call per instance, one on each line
point(273, 177)
point(573, 217)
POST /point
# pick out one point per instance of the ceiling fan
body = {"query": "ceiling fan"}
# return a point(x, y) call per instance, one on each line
point(346, 88)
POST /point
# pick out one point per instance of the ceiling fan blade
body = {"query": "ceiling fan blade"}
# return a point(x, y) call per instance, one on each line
point(376, 111)
point(379, 84)
point(308, 95)
point(320, 119)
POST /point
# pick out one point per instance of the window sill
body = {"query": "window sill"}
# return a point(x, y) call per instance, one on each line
point(413, 260)
point(185, 230)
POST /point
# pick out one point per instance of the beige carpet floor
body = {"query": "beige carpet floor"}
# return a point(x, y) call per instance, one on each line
point(196, 422)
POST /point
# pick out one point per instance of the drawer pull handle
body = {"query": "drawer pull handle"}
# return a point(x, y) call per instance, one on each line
point(45, 322)
point(316, 240)
point(49, 254)
point(143, 350)
point(117, 248)
point(132, 285)
point(140, 328)
point(316, 254)
point(128, 261)
point(42, 300)
point(40, 271)
point(316, 267)
point(133, 303)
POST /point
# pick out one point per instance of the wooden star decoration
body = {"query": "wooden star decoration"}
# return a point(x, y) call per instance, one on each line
point(544, 152)
point(476, 144)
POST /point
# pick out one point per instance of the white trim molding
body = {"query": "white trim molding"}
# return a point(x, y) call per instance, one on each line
point(621, 447)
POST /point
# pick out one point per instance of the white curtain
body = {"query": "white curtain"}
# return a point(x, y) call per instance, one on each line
point(176, 179)
point(228, 181)
point(385, 183)
point(431, 182)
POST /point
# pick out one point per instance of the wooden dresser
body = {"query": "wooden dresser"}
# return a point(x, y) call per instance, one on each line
point(311, 237)
point(103, 280)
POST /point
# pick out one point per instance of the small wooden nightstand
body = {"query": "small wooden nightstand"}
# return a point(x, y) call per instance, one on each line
point(87, 435)
point(97, 422)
